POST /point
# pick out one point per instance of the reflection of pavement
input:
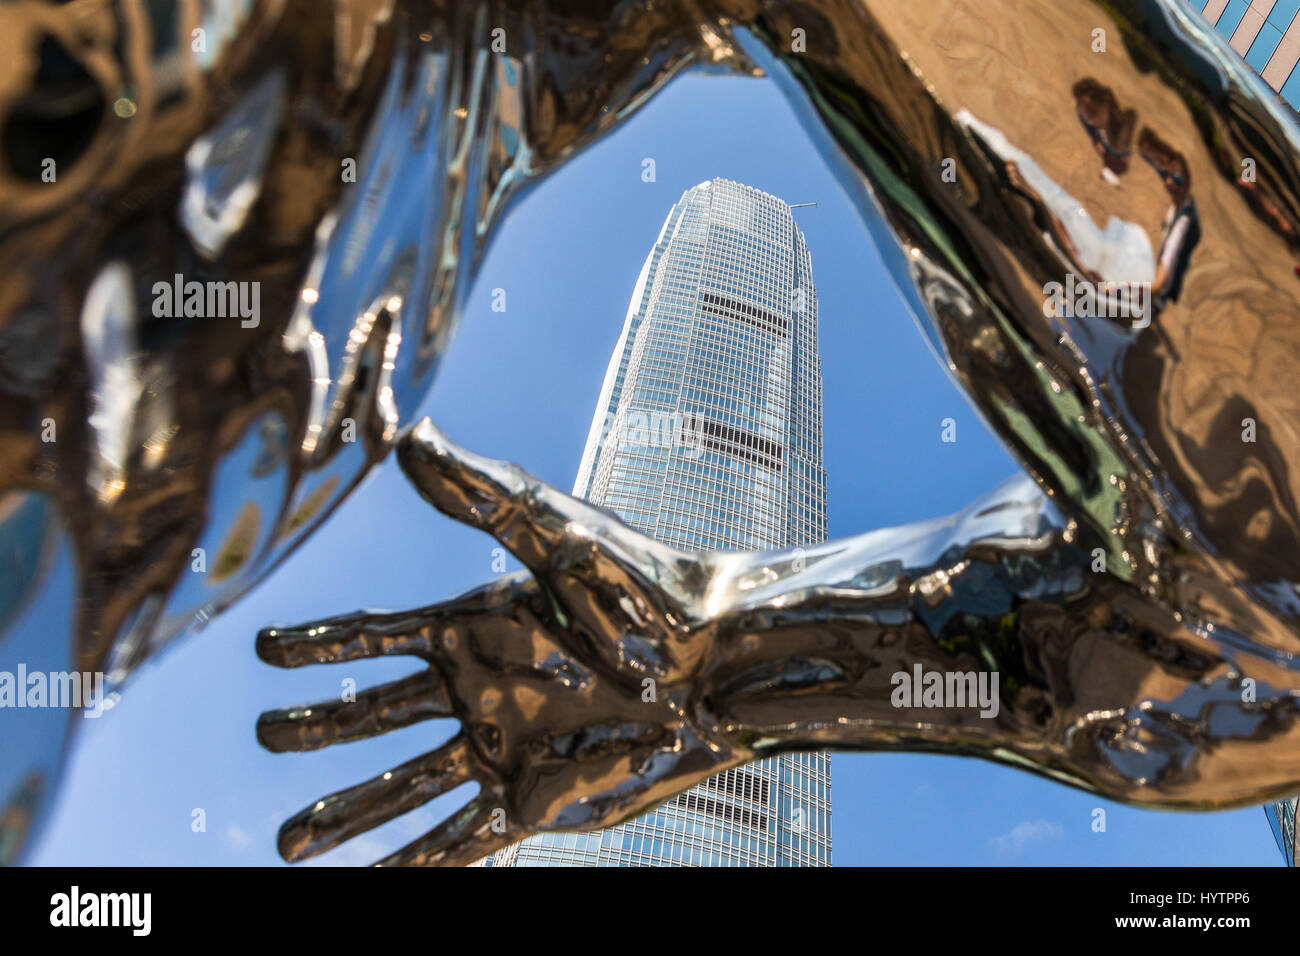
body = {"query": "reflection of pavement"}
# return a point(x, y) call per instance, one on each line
point(1236, 356)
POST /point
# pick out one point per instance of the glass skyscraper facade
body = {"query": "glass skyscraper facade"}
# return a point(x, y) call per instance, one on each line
point(1281, 817)
point(708, 436)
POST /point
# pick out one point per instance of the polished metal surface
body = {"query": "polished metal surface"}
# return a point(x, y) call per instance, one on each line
point(999, 152)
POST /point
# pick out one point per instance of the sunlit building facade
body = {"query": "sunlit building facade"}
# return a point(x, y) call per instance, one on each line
point(708, 436)
point(1266, 33)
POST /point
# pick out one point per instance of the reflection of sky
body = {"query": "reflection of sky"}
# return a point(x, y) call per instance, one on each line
point(38, 636)
point(237, 482)
point(522, 384)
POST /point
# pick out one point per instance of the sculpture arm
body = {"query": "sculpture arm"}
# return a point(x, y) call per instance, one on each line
point(619, 671)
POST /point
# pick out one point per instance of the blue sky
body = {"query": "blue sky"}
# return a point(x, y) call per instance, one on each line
point(522, 385)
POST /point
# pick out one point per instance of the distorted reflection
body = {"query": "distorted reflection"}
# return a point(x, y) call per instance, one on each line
point(354, 166)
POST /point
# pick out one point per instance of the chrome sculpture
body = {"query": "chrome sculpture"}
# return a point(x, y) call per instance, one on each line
point(1091, 208)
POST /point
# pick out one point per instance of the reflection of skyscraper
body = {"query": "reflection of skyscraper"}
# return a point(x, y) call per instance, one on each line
point(708, 436)
point(1281, 817)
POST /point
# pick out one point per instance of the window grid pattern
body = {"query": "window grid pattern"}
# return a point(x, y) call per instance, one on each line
point(1281, 817)
point(708, 436)
point(1264, 32)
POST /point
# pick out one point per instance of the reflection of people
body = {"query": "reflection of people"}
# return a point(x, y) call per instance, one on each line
point(1109, 127)
point(1181, 227)
point(1265, 209)
point(1044, 216)
point(1120, 252)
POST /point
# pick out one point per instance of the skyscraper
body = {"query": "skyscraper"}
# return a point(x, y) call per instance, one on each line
point(708, 436)
point(1281, 817)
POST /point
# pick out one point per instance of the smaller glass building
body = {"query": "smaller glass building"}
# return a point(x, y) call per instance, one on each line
point(1266, 34)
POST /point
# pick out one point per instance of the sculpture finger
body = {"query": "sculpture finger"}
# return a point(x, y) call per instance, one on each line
point(461, 839)
point(521, 511)
point(573, 546)
point(401, 703)
point(348, 813)
point(348, 637)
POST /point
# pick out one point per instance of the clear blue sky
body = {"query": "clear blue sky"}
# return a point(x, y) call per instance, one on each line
point(522, 385)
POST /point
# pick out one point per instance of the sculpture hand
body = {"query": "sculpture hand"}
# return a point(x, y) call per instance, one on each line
point(561, 726)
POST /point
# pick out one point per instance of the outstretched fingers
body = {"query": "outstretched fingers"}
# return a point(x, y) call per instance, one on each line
point(348, 813)
point(401, 703)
